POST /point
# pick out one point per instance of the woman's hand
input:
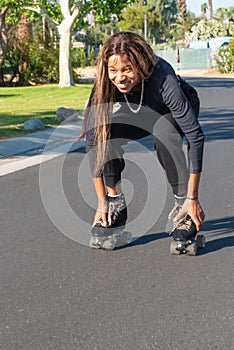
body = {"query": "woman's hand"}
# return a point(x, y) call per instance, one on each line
point(193, 208)
point(100, 216)
point(196, 213)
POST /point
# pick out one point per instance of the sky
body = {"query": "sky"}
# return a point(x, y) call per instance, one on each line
point(195, 5)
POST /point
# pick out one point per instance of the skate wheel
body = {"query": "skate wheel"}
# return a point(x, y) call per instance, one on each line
point(94, 243)
point(192, 249)
point(201, 241)
point(127, 237)
point(173, 248)
point(109, 244)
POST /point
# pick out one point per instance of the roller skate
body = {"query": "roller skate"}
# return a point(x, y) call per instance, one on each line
point(185, 238)
point(112, 236)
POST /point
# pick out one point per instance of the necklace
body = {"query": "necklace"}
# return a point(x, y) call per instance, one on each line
point(141, 99)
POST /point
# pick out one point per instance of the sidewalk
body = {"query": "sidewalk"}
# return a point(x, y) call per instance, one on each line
point(22, 152)
point(204, 73)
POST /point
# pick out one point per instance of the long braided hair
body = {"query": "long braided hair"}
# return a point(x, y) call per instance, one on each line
point(142, 58)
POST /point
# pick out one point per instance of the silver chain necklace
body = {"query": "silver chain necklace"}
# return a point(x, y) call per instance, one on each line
point(141, 99)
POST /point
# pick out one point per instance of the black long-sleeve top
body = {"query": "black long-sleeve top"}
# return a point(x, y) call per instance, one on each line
point(163, 94)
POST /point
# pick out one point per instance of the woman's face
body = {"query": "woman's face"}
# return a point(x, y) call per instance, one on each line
point(121, 73)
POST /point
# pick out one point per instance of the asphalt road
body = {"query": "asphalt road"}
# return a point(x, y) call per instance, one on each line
point(56, 293)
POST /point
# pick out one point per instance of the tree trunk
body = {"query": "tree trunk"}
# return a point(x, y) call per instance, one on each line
point(64, 29)
point(3, 39)
point(183, 8)
point(65, 71)
point(1, 70)
point(69, 15)
point(2, 57)
point(210, 2)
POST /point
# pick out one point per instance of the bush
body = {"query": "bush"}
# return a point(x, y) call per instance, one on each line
point(34, 60)
point(225, 60)
point(43, 63)
point(75, 57)
point(232, 52)
point(78, 57)
point(83, 58)
point(91, 57)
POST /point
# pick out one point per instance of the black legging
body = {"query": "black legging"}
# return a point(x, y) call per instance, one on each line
point(168, 142)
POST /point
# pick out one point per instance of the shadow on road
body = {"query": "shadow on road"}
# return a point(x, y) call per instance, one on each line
point(217, 244)
point(217, 124)
point(212, 228)
point(202, 82)
point(218, 227)
point(149, 238)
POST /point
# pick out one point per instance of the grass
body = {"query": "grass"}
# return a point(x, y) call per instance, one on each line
point(18, 104)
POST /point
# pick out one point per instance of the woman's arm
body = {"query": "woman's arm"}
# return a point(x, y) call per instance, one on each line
point(191, 205)
point(101, 212)
point(193, 185)
point(185, 117)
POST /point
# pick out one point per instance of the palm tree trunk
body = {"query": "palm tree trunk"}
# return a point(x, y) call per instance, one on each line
point(210, 4)
point(182, 5)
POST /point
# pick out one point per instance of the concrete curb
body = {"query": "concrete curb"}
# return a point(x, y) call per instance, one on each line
point(34, 149)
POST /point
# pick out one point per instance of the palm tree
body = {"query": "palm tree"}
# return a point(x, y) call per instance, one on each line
point(204, 8)
point(223, 14)
point(182, 6)
point(230, 14)
point(210, 4)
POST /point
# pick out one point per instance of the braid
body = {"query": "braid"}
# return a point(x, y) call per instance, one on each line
point(142, 59)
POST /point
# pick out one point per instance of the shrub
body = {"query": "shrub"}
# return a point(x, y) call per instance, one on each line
point(43, 63)
point(232, 52)
point(91, 57)
point(75, 57)
point(83, 59)
point(33, 60)
point(225, 59)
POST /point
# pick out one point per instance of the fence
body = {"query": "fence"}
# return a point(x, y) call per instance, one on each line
point(189, 58)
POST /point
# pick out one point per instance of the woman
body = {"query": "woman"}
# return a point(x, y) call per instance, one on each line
point(149, 99)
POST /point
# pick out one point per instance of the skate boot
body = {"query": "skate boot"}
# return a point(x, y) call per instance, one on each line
point(184, 238)
point(185, 230)
point(113, 235)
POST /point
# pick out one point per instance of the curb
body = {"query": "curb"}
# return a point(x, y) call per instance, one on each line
point(23, 162)
point(55, 143)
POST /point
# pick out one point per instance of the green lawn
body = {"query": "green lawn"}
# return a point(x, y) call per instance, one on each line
point(19, 104)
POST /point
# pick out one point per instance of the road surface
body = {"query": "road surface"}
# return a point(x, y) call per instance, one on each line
point(58, 294)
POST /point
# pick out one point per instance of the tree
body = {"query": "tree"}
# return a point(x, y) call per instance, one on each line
point(182, 6)
point(204, 8)
point(230, 14)
point(177, 28)
point(206, 30)
point(166, 12)
point(68, 15)
point(161, 14)
point(3, 38)
point(223, 14)
point(210, 5)
point(10, 16)
point(133, 19)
